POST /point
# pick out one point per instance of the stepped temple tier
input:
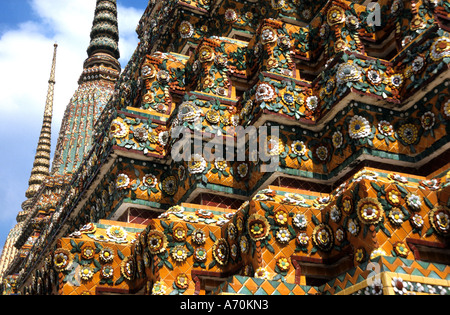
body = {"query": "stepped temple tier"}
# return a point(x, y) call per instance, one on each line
point(161, 182)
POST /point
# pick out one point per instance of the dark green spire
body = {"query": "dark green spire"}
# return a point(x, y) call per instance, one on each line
point(105, 31)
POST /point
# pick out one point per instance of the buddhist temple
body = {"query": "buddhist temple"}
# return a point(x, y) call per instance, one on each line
point(258, 147)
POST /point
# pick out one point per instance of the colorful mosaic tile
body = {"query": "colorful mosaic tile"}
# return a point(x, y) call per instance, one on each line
point(355, 96)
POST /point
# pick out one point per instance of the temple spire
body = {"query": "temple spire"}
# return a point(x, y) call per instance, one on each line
point(105, 31)
point(96, 83)
point(41, 165)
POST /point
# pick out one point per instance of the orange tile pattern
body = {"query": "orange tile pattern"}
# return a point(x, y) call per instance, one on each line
point(258, 260)
point(100, 252)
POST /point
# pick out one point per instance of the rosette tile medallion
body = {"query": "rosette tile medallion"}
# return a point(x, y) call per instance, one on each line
point(354, 97)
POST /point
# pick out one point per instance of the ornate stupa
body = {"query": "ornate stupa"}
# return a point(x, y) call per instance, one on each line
point(47, 184)
point(100, 71)
point(257, 147)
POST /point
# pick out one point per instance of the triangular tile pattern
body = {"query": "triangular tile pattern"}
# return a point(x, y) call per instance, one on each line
point(255, 286)
point(397, 265)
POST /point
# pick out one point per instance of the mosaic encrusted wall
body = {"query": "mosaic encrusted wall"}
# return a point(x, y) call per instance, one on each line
point(362, 176)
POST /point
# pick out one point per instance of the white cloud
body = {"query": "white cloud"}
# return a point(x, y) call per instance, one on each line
point(128, 22)
point(25, 54)
point(25, 59)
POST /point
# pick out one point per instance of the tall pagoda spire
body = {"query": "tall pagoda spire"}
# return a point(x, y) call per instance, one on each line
point(101, 70)
point(104, 32)
point(41, 165)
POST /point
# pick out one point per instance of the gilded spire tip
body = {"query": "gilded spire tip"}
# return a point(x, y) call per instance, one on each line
point(41, 165)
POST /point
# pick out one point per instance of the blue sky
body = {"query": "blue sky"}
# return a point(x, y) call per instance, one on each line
point(28, 30)
point(13, 12)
